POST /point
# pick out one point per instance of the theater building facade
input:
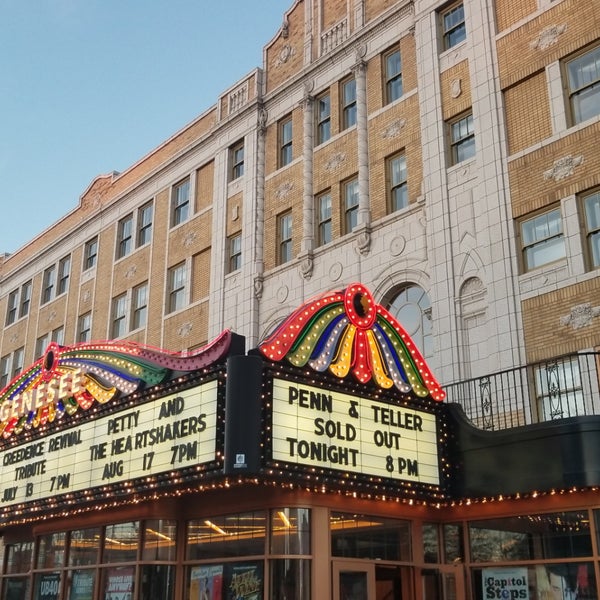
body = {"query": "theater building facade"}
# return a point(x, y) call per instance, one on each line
point(324, 463)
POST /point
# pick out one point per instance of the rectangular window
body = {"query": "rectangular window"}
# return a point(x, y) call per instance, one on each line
point(139, 306)
point(559, 389)
point(235, 252)
point(41, 344)
point(542, 239)
point(348, 103)
point(398, 189)
point(236, 158)
point(4, 371)
point(180, 202)
point(591, 206)
point(453, 26)
point(324, 231)
point(144, 224)
point(18, 361)
point(323, 105)
point(393, 76)
point(350, 195)
point(125, 236)
point(48, 284)
point(176, 290)
point(11, 309)
point(64, 271)
point(284, 228)
point(119, 316)
point(25, 299)
point(462, 139)
point(285, 142)
point(90, 254)
point(84, 328)
point(583, 74)
point(58, 335)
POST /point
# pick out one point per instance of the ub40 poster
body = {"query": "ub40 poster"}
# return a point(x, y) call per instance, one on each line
point(206, 583)
point(244, 581)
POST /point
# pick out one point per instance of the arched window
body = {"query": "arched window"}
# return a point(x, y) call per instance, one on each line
point(412, 309)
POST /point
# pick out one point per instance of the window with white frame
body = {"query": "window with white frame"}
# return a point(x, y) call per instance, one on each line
point(285, 142)
point(350, 195)
point(26, 289)
point(591, 210)
point(90, 253)
point(18, 361)
point(323, 117)
point(397, 182)
point(234, 243)
point(58, 335)
point(55, 280)
point(12, 307)
point(84, 327)
point(180, 202)
point(583, 83)
point(125, 236)
point(119, 316)
point(462, 139)
point(348, 98)
point(559, 389)
point(139, 306)
point(176, 288)
point(454, 29)
point(48, 284)
point(41, 344)
point(236, 160)
point(392, 69)
point(324, 219)
point(542, 239)
point(64, 272)
point(5, 371)
point(145, 216)
point(284, 229)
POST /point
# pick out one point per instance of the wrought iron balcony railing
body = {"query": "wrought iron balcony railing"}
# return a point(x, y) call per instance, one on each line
point(559, 388)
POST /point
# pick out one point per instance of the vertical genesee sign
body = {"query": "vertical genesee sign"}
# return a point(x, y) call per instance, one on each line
point(326, 429)
point(167, 434)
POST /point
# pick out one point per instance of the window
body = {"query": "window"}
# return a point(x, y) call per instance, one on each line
point(285, 142)
point(180, 202)
point(393, 76)
point(398, 189)
point(25, 299)
point(324, 232)
point(542, 239)
point(11, 309)
point(323, 118)
point(18, 361)
point(453, 26)
point(284, 228)
point(348, 103)
point(583, 73)
point(236, 157)
point(90, 253)
point(139, 306)
point(4, 371)
point(125, 236)
point(592, 226)
point(58, 335)
point(41, 344)
point(144, 224)
point(462, 139)
point(350, 194)
point(559, 389)
point(176, 290)
point(84, 328)
point(64, 271)
point(235, 252)
point(48, 284)
point(119, 316)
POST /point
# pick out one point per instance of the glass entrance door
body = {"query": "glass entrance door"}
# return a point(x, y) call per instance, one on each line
point(353, 581)
point(444, 583)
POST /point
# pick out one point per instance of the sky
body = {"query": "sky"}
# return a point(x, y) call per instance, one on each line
point(88, 87)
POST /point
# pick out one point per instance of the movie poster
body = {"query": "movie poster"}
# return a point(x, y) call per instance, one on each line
point(244, 581)
point(206, 582)
point(119, 584)
point(82, 585)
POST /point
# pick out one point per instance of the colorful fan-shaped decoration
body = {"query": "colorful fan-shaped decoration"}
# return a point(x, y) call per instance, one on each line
point(347, 332)
point(67, 379)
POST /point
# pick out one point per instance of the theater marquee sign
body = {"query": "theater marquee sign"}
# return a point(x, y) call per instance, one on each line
point(170, 433)
point(333, 430)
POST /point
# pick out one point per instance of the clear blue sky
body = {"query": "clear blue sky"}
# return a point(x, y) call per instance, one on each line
point(90, 86)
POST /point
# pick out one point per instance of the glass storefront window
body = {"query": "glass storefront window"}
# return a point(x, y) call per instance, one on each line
point(290, 531)
point(15, 588)
point(81, 584)
point(531, 537)
point(431, 543)
point(83, 547)
point(118, 582)
point(157, 581)
point(361, 536)
point(160, 540)
point(47, 586)
point(51, 551)
point(453, 543)
point(290, 579)
point(121, 542)
point(18, 557)
point(240, 534)
point(229, 580)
